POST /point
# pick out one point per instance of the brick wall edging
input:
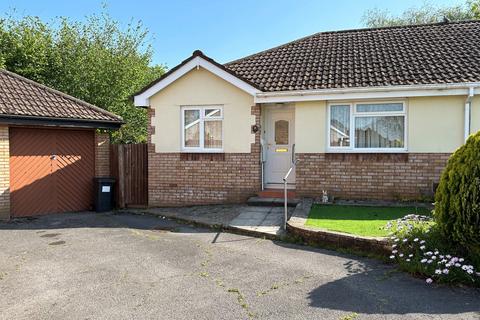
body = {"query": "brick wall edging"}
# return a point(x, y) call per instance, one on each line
point(296, 226)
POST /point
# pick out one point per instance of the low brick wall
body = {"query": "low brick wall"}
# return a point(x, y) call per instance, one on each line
point(369, 176)
point(296, 227)
point(176, 179)
point(339, 240)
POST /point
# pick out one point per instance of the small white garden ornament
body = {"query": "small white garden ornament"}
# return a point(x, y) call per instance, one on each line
point(324, 196)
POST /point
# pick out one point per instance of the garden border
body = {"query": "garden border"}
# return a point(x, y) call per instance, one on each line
point(296, 226)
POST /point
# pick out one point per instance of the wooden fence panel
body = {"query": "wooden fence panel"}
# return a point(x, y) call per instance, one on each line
point(129, 165)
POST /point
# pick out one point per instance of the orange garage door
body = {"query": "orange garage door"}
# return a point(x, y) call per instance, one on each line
point(51, 170)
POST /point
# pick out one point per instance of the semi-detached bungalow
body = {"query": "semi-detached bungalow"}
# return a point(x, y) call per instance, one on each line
point(369, 114)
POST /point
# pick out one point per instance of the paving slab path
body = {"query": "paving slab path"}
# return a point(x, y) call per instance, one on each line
point(254, 220)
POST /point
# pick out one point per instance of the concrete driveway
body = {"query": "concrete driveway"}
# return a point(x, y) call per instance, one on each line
point(101, 266)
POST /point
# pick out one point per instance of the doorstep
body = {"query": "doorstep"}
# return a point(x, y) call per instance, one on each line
point(271, 202)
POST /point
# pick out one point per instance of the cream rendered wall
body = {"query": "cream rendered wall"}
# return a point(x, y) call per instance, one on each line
point(475, 115)
point(201, 87)
point(310, 127)
point(435, 124)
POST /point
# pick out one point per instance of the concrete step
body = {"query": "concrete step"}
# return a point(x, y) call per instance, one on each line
point(276, 193)
point(271, 202)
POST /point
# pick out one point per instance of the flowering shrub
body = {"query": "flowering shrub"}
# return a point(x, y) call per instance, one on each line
point(419, 248)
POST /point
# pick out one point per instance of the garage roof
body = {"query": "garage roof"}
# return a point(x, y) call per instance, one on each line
point(24, 101)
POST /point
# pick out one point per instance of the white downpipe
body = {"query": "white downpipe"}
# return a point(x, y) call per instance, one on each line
point(468, 112)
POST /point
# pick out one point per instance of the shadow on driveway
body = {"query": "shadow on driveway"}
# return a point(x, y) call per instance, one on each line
point(373, 287)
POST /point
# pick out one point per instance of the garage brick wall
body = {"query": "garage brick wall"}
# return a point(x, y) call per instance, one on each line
point(4, 174)
point(102, 154)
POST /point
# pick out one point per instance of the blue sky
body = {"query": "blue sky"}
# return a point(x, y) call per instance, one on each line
point(224, 30)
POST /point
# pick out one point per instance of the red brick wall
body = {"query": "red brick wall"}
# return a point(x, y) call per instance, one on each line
point(370, 176)
point(188, 179)
point(102, 155)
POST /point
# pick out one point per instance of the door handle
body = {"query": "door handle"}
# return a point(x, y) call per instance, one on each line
point(293, 153)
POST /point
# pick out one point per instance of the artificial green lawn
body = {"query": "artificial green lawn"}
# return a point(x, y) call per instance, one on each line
point(358, 220)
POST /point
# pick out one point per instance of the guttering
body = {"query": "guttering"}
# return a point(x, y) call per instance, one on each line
point(423, 90)
point(59, 122)
point(468, 111)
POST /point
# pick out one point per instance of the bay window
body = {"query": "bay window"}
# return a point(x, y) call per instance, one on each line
point(367, 127)
point(202, 129)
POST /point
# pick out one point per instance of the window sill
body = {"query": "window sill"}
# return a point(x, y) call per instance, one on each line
point(202, 151)
point(202, 156)
point(372, 157)
point(367, 150)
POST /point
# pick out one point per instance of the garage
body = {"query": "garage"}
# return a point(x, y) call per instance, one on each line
point(51, 170)
point(51, 149)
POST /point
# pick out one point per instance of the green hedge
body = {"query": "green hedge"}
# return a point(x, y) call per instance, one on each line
point(457, 199)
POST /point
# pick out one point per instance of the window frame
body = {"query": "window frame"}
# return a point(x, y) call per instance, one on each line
point(202, 120)
point(354, 114)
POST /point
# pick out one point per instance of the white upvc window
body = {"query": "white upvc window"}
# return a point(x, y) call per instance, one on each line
point(202, 129)
point(367, 127)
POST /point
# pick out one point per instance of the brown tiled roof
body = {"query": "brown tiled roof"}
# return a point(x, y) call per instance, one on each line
point(21, 97)
point(408, 55)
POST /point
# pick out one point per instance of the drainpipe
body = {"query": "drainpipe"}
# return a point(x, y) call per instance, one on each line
point(468, 111)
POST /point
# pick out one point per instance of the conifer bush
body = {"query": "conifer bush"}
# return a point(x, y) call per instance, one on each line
point(457, 199)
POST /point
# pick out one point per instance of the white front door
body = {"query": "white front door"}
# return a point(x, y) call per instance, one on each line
point(279, 145)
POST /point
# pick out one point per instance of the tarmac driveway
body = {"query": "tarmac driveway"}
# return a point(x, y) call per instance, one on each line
point(92, 266)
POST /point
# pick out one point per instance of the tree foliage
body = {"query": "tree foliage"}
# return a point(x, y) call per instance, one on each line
point(457, 200)
point(97, 60)
point(426, 13)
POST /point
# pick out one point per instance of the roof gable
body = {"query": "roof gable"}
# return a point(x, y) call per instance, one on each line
point(24, 98)
point(198, 59)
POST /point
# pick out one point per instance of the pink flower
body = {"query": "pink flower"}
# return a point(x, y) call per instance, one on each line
point(429, 280)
